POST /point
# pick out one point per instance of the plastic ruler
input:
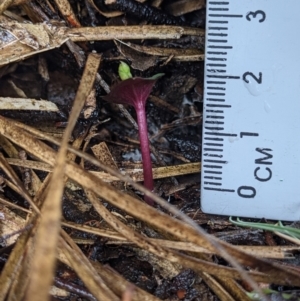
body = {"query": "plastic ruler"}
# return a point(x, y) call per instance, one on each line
point(251, 124)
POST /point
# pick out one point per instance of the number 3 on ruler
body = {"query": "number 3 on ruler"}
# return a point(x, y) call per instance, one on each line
point(254, 14)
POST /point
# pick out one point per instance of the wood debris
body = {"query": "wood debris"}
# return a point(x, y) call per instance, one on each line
point(8, 103)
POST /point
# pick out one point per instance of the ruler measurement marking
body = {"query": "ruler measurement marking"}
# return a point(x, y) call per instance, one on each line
point(213, 144)
point(217, 28)
point(214, 122)
point(216, 59)
point(216, 94)
point(215, 99)
point(213, 139)
point(213, 155)
point(214, 129)
point(217, 41)
point(215, 82)
point(218, 22)
point(215, 117)
point(216, 70)
point(225, 16)
point(248, 134)
point(213, 166)
point(218, 106)
point(215, 161)
point(219, 47)
point(212, 178)
point(217, 52)
point(216, 88)
point(212, 150)
point(224, 76)
point(218, 3)
point(213, 172)
point(218, 9)
point(219, 189)
point(220, 134)
point(218, 34)
point(216, 65)
point(212, 183)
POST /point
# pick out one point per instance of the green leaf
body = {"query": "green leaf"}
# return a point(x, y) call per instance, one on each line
point(156, 76)
point(124, 71)
point(279, 227)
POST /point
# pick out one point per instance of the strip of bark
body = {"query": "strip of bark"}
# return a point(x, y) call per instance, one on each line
point(144, 12)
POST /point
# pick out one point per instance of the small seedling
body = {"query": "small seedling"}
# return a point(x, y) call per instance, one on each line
point(135, 91)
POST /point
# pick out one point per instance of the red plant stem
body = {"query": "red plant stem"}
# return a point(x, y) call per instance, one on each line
point(145, 149)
